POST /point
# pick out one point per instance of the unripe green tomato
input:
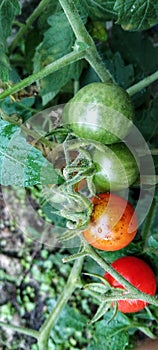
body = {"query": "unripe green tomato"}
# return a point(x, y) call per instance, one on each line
point(100, 112)
point(116, 168)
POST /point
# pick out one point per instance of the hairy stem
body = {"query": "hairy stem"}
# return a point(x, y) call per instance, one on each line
point(142, 84)
point(25, 27)
point(72, 283)
point(51, 68)
point(82, 35)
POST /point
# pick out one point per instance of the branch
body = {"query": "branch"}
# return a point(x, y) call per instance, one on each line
point(82, 35)
point(50, 68)
point(142, 84)
point(22, 330)
point(72, 283)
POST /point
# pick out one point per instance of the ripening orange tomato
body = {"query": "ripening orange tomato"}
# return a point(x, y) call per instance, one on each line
point(113, 224)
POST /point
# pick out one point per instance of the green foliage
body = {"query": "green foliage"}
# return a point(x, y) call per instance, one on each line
point(137, 49)
point(123, 73)
point(147, 122)
point(129, 56)
point(58, 41)
point(20, 163)
point(113, 335)
point(136, 15)
point(102, 10)
point(72, 324)
point(18, 110)
point(131, 15)
point(8, 10)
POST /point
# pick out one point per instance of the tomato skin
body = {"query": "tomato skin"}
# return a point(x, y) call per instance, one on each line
point(139, 274)
point(116, 168)
point(113, 224)
point(100, 112)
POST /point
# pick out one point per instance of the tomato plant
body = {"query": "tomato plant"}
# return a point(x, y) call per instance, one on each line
point(113, 223)
point(139, 274)
point(116, 168)
point(75, 92)
point(100, 112)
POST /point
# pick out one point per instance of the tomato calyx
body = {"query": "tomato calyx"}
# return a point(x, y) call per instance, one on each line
point(72, 206)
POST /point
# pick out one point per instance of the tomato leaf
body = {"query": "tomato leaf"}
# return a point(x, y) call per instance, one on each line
point(102, 10)
point(19, 109)
point(123, 74)
point(136, 15)
point(20, 163)
point(4, 64)
point(136, 48)
point(111, 335)
point(8, 9)
point(70, 323)
point(58, 41)
point(147, 122)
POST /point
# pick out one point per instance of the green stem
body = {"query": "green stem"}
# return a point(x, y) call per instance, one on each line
point(22, 330)
point(72, 283)
point(74, 257)
point(142, 84)
point(147, 225)
point(132, 296)
point(133, 290)
point(96, 63)
point(82, 35)
point(51, 68)
point(24, 28)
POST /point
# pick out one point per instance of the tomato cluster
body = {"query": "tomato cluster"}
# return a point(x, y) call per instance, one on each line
point(139, 274)
point(103, 114)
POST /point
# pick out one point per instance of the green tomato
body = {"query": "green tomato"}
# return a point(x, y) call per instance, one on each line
point(116, 168)
point(100, 112)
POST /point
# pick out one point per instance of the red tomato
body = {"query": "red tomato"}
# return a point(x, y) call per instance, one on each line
point(138, 273)
point(113, 223)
